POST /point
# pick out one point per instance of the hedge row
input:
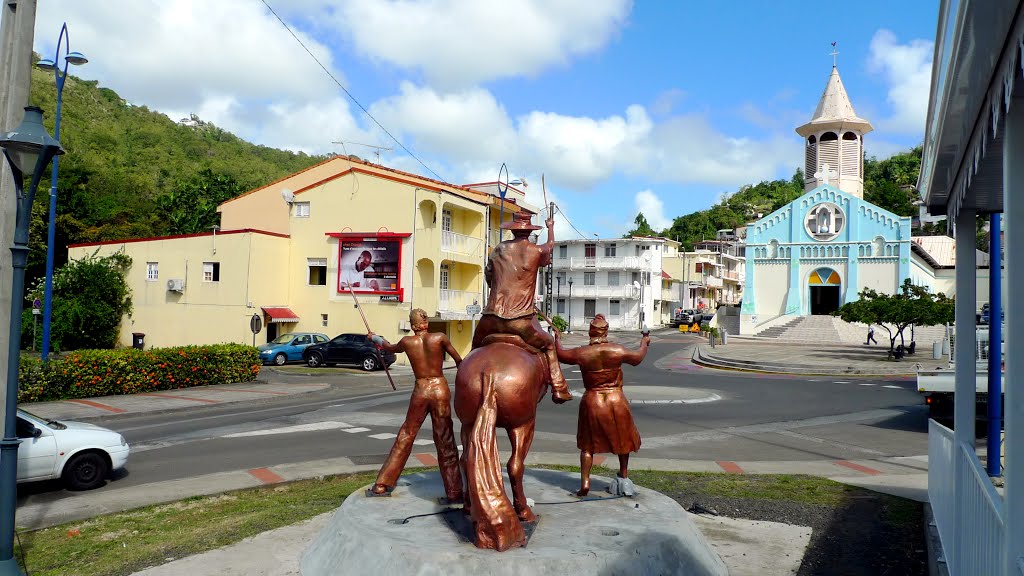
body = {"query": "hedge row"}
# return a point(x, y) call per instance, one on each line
point(90, 373)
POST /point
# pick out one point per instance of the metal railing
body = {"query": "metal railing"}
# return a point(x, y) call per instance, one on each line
point(961, 494)
point(461, 244)
point(941, 476)
point(457, 300)
point(599, 262)
point(594, 291)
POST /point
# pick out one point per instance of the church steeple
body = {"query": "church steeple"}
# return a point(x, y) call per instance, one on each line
point(835, 137)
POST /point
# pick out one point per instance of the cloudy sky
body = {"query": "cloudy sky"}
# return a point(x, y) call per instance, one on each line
point(657, 107)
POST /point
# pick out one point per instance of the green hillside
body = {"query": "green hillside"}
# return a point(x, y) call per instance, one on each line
point(887, 183)
point(124, 163)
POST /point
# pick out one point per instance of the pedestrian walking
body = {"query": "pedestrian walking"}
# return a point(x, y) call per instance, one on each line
point(871, 336)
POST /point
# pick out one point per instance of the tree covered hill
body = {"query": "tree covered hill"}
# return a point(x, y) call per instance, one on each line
point(888, 184)
point(132, 172)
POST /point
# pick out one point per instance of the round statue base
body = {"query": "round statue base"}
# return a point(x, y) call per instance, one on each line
point(413, 532)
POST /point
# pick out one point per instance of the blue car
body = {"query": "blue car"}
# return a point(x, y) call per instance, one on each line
point(289, 347)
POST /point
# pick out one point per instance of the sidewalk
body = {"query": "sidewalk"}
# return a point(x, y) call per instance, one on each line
point(785, 357)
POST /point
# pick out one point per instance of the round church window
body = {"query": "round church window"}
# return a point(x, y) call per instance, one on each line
point(825, 221)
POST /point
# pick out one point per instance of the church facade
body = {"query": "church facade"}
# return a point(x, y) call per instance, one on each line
point(819, 251)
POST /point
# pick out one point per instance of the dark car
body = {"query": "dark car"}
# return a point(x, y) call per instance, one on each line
point(347, 349)
point(986, 313)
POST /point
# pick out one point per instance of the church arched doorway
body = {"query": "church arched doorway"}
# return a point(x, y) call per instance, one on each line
point(825, 294)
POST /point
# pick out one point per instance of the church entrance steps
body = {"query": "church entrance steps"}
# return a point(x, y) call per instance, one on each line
point(813, 329)
point(775, 331)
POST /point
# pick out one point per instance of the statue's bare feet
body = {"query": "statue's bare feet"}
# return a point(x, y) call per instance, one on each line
point(584, 490)
point(379, 489)
point(560, 394)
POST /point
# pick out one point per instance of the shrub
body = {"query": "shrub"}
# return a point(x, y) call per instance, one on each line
point(560, 324)
point(89, 373)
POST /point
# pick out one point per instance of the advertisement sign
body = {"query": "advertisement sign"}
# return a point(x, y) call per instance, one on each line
point(370, 264)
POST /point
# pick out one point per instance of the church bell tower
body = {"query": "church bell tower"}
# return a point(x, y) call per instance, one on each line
point(834, 142)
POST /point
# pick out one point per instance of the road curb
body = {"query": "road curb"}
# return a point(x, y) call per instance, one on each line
point(709, 361)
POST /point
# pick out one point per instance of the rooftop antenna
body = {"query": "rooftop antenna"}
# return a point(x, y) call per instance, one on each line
point(376, 151)
point(834, 52)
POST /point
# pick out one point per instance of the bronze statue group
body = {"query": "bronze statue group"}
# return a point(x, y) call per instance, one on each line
point(499, 384)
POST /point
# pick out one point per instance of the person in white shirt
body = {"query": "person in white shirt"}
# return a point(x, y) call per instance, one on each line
point(355, 275)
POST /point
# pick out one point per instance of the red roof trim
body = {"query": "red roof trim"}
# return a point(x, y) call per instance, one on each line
point(177, 236)
point(357, 235)
point(665, 275)
point(278, 181)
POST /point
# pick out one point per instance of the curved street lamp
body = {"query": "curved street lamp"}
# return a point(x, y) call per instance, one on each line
point(28, 149)
point(76, 58)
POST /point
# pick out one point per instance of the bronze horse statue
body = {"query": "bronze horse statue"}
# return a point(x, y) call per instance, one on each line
point(498, 385)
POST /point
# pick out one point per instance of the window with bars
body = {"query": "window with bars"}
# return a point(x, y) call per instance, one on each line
point(211, 271)
point(317, 271)
point(152, 271)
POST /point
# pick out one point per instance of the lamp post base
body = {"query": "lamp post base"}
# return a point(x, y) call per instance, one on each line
point(10, 567)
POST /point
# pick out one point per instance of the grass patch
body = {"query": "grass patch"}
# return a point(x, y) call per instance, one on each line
point(126, 542)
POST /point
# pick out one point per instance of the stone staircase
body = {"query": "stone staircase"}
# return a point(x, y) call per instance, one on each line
point(813, 329)
point(776, 331)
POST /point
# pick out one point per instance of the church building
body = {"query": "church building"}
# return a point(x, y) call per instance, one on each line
point(819, 251)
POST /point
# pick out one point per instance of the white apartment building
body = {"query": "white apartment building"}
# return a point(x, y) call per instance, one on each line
point(623, 278)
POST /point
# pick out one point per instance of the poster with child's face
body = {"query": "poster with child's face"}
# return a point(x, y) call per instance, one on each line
point(369, 265)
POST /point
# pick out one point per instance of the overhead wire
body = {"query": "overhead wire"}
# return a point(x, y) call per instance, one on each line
point(349, 94)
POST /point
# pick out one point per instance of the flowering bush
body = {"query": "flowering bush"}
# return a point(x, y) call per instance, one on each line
point(89, 373)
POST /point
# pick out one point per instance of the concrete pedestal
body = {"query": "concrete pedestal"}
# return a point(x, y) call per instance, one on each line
point(646, 534)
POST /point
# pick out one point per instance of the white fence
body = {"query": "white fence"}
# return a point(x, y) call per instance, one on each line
point(457, 300)
point(462, 244)
point(962, 494)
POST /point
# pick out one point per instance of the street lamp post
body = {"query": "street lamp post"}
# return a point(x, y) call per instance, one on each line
point(77, 59)
point(28, 149)
point(570, 304)
point(639, 286)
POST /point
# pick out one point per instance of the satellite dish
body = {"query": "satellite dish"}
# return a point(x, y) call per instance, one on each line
point(288, 195)
point(647, 256)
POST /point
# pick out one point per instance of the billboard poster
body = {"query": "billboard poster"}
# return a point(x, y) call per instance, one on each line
point(370, 265)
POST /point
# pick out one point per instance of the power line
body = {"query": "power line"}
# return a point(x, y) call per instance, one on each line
point(582, 235)
point(349, 94)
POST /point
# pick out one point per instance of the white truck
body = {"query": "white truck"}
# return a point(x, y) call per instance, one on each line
point(938, 385)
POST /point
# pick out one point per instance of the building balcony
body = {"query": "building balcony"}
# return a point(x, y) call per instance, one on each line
point(462, 248)
point(452, 304)
point(598, 263)
point(616, 292)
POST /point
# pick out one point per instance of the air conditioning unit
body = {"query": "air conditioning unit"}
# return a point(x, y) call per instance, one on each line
point(176, 285)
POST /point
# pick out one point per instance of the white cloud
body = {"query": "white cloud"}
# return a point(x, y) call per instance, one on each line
point(458, 43)
point(653, 209)
point(908, 70)
point(230, 62)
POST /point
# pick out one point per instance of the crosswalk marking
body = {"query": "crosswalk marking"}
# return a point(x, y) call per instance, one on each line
point(894, 387)
point(312, 427)
point(422, 442)
point(865, 384)
point(354, 430)
point(383, 436)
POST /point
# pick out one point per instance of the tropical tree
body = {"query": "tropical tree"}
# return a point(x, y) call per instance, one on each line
point(912, 305)
point(642, 227)
point(192, 206)
point(90, 296)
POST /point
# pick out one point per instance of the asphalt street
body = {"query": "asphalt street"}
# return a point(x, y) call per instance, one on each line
point(682, 411)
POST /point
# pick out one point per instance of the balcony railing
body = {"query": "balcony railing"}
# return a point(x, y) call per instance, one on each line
point(621, 292)
point(599, 262)
point(457, 300)
point(461, 244)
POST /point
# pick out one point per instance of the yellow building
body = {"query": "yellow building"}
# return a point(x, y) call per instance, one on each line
point(284, 251)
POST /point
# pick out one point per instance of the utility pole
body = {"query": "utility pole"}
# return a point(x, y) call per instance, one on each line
point(17, 30)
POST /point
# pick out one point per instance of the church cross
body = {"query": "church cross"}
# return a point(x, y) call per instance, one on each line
point(825, 174)
point(834, 52)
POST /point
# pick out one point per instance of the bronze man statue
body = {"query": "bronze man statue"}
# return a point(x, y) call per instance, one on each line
point(605, 422)
point(426, 352)
point(511, 274)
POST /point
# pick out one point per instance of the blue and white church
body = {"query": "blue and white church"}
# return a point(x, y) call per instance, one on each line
point(817, 252)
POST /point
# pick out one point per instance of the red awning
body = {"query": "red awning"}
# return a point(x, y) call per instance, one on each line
point(280, 315)
point(665, 275)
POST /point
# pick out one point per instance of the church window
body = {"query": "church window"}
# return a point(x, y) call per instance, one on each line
point(878, 246)
point(773, 251)
point(824, 221)
point(811, 157)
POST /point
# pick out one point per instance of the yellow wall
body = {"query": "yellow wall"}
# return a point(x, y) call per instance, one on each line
point(263, 270)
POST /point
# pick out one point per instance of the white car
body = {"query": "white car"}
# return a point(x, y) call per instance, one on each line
point(82, 455)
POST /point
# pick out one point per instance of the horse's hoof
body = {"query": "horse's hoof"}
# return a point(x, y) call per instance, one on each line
point(527, 515)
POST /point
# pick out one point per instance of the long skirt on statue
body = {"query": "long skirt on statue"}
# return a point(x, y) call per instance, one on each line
point(606, 423)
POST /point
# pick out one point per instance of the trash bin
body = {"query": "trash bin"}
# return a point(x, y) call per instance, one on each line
point(937, 350)
point(138, 340)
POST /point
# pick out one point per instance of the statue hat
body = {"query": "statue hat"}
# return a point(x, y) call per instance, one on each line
point(522, 220)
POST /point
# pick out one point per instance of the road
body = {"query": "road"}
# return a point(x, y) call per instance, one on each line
point(682, 411)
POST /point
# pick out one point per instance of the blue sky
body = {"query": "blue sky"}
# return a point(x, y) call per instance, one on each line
point(653, 106)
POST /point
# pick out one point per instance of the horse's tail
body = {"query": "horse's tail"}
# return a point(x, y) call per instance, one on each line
point(495, 521)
